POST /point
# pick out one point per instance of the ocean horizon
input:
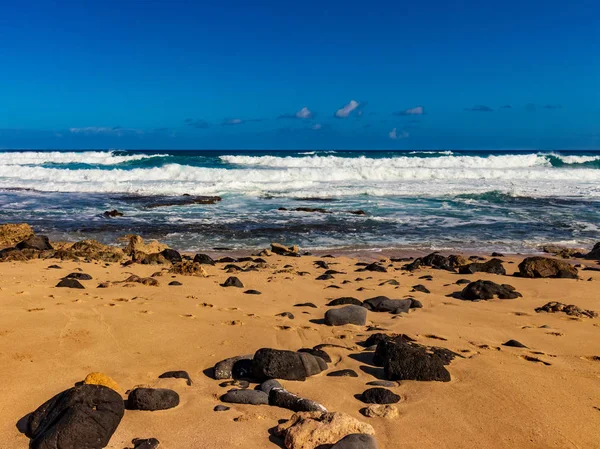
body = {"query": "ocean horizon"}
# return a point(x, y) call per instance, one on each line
point(413, 200)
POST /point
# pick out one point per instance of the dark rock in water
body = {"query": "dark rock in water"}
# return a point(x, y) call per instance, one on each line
point(357, 212)
point(514, 344)
point(147, 443)
point(183, 200)
point(356, 441)
point(280, 397)
point(171, 255)
point(55, 267)
point(252, 397)
point(268, 385)
point(78, 276)
point(383, 383)
point(343, 373)
point(112, 213)
point(420, 288)
point(37, 242)
point(221, 408)
point(324, 277)
point(286, 315)
point(252, 292)
point(378, 395)
point(232, 281)
point(85, 416)
point(375, 267)
point(571, 309)
point(463, 281)
point(306, 304)
point(152, 399)
point(415, 304)
point(224, 368)
point(322, 264)
point(345, 300)
point(488, 290)
point(312, 209)
point(70, 283)
point(317, 353)
point(545, 267)
point(204, 259)
point(385, 304)
point(346, 315)
point(493, 266)
point(175, 283)
point(437, 261)
point(177, 375)
point(278, 364)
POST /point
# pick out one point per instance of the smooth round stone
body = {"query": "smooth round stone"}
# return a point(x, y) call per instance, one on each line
point(221, 408)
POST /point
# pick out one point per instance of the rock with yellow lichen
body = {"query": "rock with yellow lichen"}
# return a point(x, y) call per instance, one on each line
point(101, 379)
point(13, 233)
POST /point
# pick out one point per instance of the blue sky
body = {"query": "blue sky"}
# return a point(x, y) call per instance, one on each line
point(286, 74)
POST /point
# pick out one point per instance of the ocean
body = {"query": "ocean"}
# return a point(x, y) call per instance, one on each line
point(506, 201)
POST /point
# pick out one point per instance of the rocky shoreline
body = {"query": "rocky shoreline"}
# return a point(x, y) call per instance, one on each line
point(291, 327)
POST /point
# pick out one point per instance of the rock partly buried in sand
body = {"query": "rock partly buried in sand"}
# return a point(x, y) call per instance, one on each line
point(385, 304)
point(380, 411)
point(375, 266)
point(37, 242)
point(317, 352)
point(144, 281)
point(493, 266)
point(309, 430)
point(252, 397)
point(514, 344)
point(280, 397)
point(437, 261)
point(282, 250)
point(188, 268)
point(346, 315)
point(11, 234)
point(254, 292)
point(403, 360)
point(232, 281)
point(146, 443)
point(289, 365)
point(343, 373)
point(136, 244)
point(484, 290)
point(420, 288)
point(571, 309)
point(79, 276)
point(112, 213)
point(345, 300)
point(204, 259)
point(177, 375)
point(101, 379)
point(545, 267)
point(69, 283)
point(379, 395)
point(224, 368)
point(152, 399)
point(85, 416)
point(356, 441)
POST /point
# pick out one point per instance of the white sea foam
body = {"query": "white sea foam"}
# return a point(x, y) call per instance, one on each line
point(322, 176)
point(576, 159)
point(58, 157)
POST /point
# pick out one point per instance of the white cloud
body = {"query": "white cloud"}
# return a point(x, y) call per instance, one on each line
point(304, 113)
point(317, 126)
point(347, 110)
point(418, 110)
point(115, 131)
point(393, 134)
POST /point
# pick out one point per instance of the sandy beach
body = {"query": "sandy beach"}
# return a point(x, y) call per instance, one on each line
point(544, 396)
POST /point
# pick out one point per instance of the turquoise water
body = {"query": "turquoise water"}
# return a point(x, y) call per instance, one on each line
point(504, 201)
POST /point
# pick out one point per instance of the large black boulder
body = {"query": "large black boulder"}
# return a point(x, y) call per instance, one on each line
point(493, 266)
point(171, 255)
point(546, 267)
point(70, 283)
point(379, 395)
point(437, 261)
point(478, 290)
point(204, 259)
point(345, 300)
point(289, 365)
point(37, 242)
point(356, 441)
point(81, 417)
point(152, 399)
point(385, 304)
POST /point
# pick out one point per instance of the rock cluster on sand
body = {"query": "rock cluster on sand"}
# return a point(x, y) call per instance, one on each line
point(545, 267)
point(437, 261)
point(279, 364)
point(493, 266)
point(571, 309)
point(282, 250)
point(137, 244)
